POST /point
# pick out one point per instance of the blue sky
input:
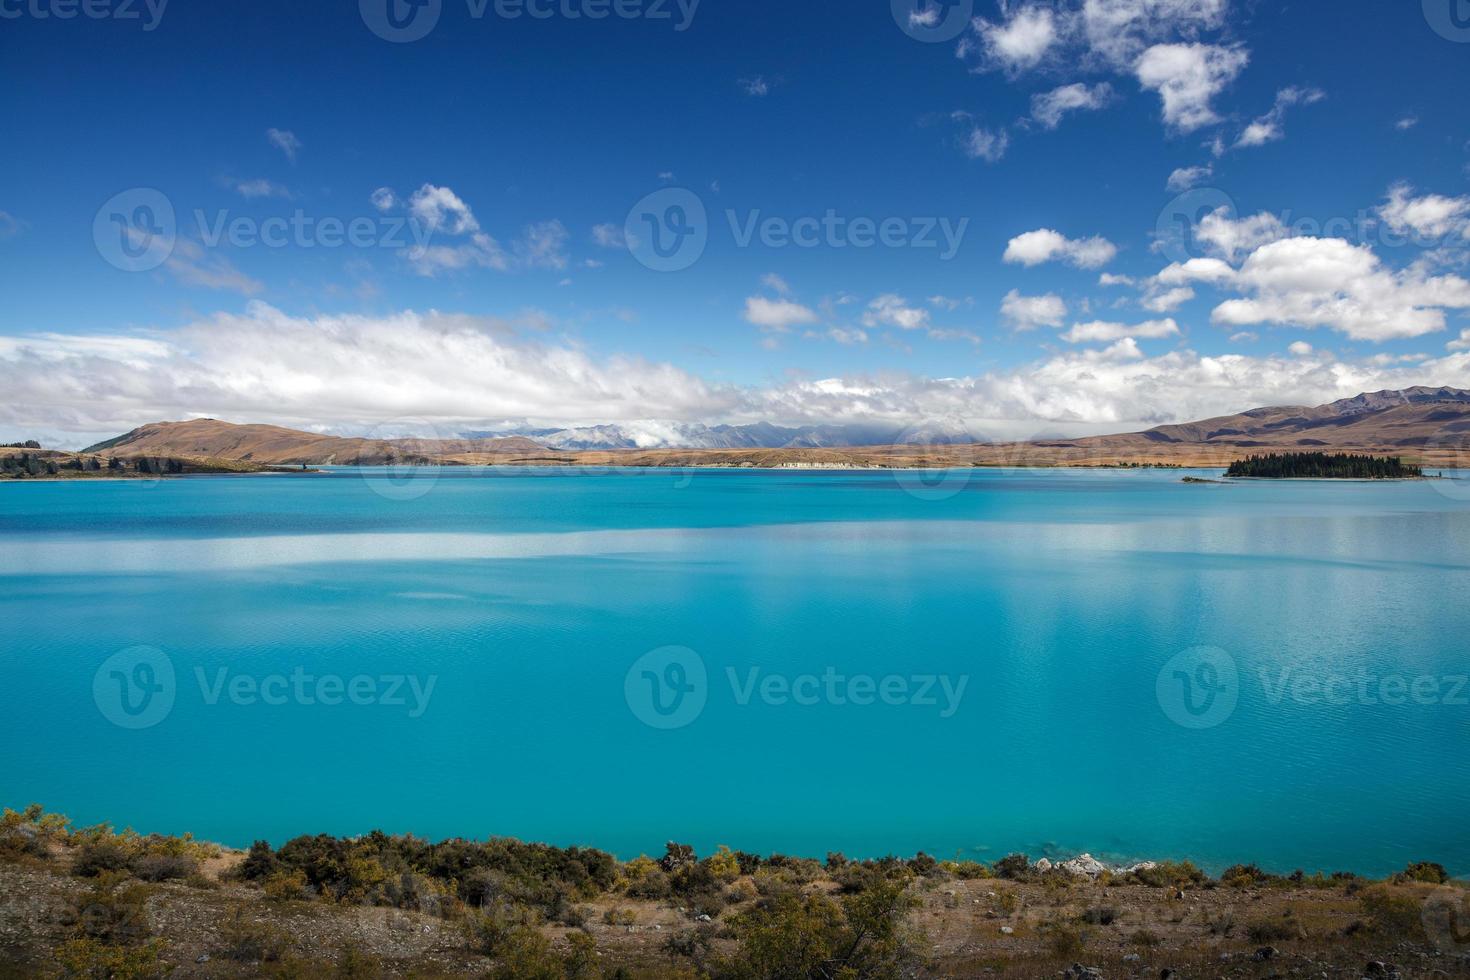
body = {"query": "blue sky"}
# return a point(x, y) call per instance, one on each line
point(1312, 161)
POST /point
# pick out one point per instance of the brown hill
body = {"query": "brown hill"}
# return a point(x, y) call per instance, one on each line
point(274, 444)
point(1423, 425)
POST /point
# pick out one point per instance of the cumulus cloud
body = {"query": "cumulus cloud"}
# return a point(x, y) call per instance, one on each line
point(1029, 312)
point(1269, 127)
point(1045, 245)
point(980, 143)
point(1299, 349)
point(609, 236)
point(892, 310)
point(351, 373)
point(1019, 42)
point(778, 315)
point(440, 209)
point(1101, 331)
point(1048, 108)
point(384, 199)
point(1330, 282)
point(1428, 216)
point(1183, 178)
point(1187, 78)
point(1166, 300)
point(1232, 237)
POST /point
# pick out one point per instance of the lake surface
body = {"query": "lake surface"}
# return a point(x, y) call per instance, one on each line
point(968, 663)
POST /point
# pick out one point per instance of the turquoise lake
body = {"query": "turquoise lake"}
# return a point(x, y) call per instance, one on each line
point(967, 663)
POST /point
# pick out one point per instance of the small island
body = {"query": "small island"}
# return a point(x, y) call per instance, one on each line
point(1322, 466)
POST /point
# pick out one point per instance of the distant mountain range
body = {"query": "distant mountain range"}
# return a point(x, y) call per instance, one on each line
point(1427, 424)
point(756, 435)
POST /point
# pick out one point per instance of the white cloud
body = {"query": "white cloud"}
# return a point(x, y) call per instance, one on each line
point(951, 303)
point(776, 284)
point(1184, 178)
point(440, 209)
point(1462, 343)
point(609, 236)
point(1048, 108)
point(892, 310)
point(1102, 331)
point(778, 315)
point(1269, 127)
point(1429, 216)
point(1215, 271)
point(191, 264)
point(1021, 41)
point(756, 86)
point(259, 188)
point(384, 199)
point(1330, 282)
point(1187, 77)
point(1299, 349)
point(1167, 300)
point(1045, 245)
point(542, 246)
point(1109, 279)
point(1408, 122)
point(480, 250)
point(1231, 237)
point(944, 333)
point(1029, 312)
point(1244, 337)
point(985, 144)
point(846, 335)
point(350, 373)
point(285, 141)
point(1117, 31)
